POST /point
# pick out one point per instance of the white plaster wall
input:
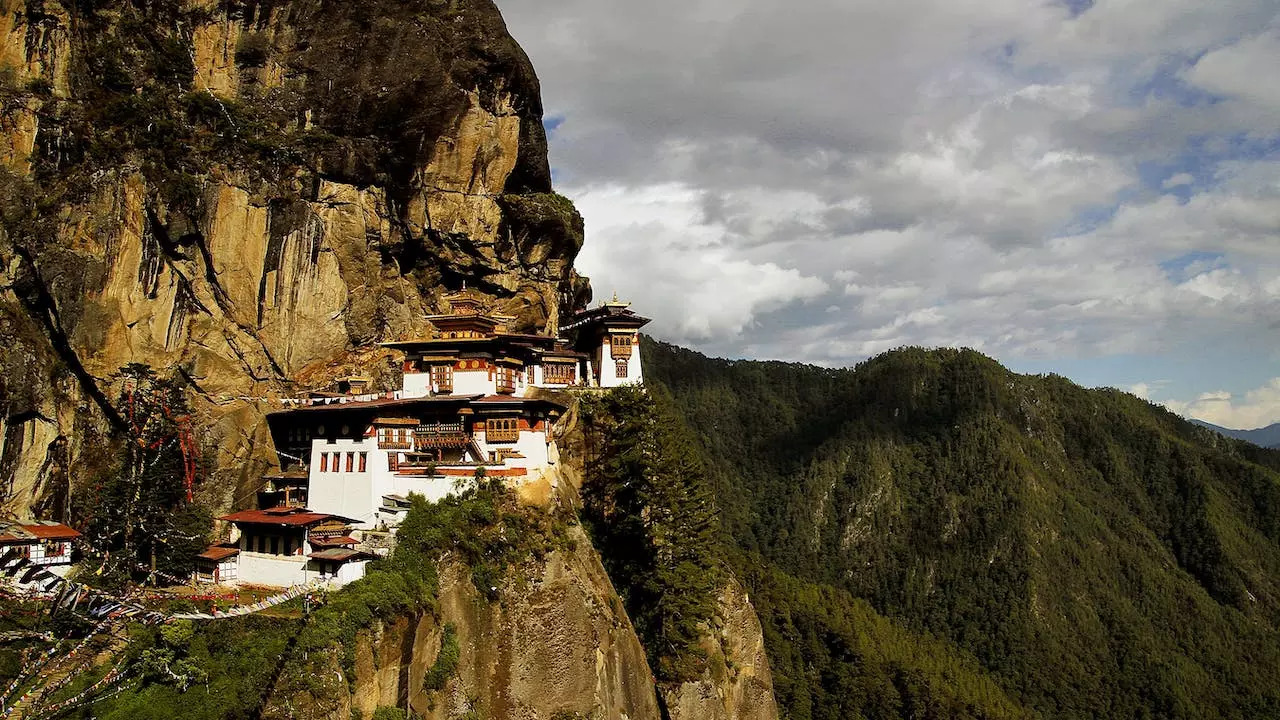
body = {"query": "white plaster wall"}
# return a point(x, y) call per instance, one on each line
point(349, 572)
point(275, 570)
point(350, 494)
point(416, 385)
point(609, 370)
point(433, 489)
point(473, 382)
point(533, 445)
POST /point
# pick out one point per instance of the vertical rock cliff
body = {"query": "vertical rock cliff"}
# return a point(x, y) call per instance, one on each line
point(738, 684)
point(244, 194)
point(552, 643)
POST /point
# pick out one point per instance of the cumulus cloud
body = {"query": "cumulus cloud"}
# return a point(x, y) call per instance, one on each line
point(662, 255)
point(1233, 70)
point(1258, 407)
point(821, 180)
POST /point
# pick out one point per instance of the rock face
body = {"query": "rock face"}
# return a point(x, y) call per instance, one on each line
point(738, 684)
point(245, 195)
point(554, 643)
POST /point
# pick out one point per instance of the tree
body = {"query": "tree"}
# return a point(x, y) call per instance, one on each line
point(650, 508)
point(138, 519)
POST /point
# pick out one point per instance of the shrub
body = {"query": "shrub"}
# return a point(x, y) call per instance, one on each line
point(446, 663)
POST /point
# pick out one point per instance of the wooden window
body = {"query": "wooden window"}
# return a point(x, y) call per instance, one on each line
point(364, 462)
point(559, 373)
point(397, 438)
point(528, 375)
point(502, 430)
point(393, 461)
point(351, 462)
point(620, 346)
point(506, 380)
point(442, 378)
point(620, 371)
point(324, 462)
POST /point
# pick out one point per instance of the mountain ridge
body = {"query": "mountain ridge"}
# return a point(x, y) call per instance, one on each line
point(1096, 554)
point(1267, 436)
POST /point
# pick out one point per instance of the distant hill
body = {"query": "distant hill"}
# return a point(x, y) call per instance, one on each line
point(1086, 553)
point(1268, 437)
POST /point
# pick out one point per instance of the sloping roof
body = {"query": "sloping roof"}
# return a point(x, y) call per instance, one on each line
point(25, 534)
point(292, 517)
point(330, 542)
point(339, 555)
point(218, 553)
point(380, 403)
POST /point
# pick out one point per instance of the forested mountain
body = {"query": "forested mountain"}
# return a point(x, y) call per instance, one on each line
point(1268, 437)
point(1011, 544)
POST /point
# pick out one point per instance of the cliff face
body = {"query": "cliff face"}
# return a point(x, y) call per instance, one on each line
point(248, 194)
point(738, 684)
point(553, 641)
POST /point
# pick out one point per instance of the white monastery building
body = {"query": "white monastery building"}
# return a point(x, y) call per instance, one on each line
point(349, 461)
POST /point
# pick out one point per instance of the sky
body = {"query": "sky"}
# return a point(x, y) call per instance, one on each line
point(1087, 187)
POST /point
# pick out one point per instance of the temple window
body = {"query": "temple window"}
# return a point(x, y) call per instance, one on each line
point(364, 461)
point(506, 380)
point(621, 368)
point(324, 462)
point(442, 377)
point(351, 462)
point(502, 430)
point(620, 346)
point(559, 373)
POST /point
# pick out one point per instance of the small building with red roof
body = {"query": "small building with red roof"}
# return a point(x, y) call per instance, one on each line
point(45, 543)
point(278, 547)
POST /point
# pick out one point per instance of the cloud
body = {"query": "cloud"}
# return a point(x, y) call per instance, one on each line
point(1258, 408)
point(1232, 70)
point(657, 250)
point(822, 180)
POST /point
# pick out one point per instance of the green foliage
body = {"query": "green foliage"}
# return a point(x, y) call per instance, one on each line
point(1095, 554)
point(484, 527)
point(390, 713)
point(181, 664)
point(650, 512)
point(834, 657)
point(446, 664)
point(223, 669)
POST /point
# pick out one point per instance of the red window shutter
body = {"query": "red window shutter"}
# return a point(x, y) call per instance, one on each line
point(364, 458)
point(351, 460)
point(324, 462)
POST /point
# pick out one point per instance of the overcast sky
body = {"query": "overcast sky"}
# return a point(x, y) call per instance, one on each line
point(1088, 188)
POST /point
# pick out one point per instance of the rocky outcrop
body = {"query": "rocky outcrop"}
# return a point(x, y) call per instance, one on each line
point(247, 195)
point(737, 684)
point(553, 642)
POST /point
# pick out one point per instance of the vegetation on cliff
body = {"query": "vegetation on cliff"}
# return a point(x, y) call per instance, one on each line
point(229, 668)
point(648, 506)
point(1085, 552)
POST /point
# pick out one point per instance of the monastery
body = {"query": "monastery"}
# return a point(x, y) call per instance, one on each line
point(466, 407)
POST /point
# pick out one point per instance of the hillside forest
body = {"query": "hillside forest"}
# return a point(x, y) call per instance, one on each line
point(928, 534)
